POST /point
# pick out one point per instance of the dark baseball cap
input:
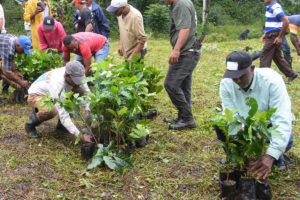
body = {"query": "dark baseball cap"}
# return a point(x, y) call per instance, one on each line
point(48, 23)
point(236, 63)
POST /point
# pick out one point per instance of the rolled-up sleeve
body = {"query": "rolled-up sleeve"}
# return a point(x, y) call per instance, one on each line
point(280, 100)
point(62, 113)
point(139, 30)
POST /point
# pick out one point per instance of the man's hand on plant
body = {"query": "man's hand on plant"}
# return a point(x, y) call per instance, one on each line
point(86, 139)
point(262, 167)
point(174, 57)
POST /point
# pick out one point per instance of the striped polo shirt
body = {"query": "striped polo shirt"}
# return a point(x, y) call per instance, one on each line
point(274, 13)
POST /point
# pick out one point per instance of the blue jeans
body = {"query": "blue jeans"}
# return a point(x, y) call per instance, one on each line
point(286, 50)
point(278, 162)
point(102, 53)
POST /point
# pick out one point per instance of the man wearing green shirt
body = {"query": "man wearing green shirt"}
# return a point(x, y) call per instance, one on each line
point(183, 60)
point(242, 80)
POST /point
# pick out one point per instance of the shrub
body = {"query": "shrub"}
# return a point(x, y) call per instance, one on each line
point(157, 18)
point(34, 65)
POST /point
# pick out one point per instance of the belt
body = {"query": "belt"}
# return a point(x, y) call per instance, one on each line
point(194, 50)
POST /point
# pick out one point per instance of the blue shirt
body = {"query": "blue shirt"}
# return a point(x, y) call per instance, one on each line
point(274, 13)
point(98, 18)
point(269, 90)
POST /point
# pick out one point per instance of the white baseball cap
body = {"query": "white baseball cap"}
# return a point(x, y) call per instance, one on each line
point(115, 5)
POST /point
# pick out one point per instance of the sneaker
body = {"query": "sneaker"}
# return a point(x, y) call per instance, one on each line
point(293, 77)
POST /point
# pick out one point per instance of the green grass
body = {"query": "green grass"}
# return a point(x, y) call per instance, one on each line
point(175, 165)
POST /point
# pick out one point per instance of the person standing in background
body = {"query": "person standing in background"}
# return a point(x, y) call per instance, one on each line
point(5, 85)
point(183, 59)
point(51, 34)
point(26, 24)
point(85, 17)
point(2, 20)
point(275, 27)
point(99, 20)
point(35, 12)
point(133, 39)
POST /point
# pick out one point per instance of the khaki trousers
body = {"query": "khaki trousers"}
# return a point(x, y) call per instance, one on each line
point(43, 114)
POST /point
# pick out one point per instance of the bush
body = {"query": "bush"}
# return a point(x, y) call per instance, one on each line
point(157, 18)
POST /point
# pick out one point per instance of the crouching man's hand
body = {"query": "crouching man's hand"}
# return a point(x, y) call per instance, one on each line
point(262, 167)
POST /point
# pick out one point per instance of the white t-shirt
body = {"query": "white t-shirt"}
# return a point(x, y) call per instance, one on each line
point(46, 11)
point(2, 16)
point(53, 82)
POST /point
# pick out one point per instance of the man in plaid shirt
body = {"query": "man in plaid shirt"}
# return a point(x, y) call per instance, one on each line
point(9, 45)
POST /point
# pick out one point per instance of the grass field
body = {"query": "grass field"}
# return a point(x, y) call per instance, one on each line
point(175, 165)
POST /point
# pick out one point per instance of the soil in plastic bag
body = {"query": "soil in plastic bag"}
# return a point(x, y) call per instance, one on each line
point(263, 190)
point(247, 189)
point(228, 188)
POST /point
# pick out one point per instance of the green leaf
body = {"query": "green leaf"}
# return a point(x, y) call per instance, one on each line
point(250, 133)
point(112, 112)
point(234, 128)
point(112, 164)
point(95, 162)
point(139, 132)
point(122, 111)
point(229, 115)
point(123, 160)
point(270, 112)
point(252, 103)
point(88, 79)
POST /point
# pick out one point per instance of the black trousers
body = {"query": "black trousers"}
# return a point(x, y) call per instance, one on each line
point(178, 84)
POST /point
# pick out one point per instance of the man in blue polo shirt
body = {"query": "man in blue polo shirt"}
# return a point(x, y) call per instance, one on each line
point(242, 80)
point(275, 28)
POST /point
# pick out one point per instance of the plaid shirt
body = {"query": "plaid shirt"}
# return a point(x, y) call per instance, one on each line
point(7, 50)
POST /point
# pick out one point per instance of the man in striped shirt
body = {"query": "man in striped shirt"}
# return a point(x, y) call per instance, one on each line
point(275, 28)
point(9, 46)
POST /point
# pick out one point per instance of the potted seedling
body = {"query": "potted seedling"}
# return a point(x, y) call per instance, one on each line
point(246, 142)
point(118, 94)
point(230, 126)
point(255, 133)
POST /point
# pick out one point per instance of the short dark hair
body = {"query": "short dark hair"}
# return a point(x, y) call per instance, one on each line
point(68, 39)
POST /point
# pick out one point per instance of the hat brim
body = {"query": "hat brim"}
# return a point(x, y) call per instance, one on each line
point(111, 9)
point(234, 73)
point(27, 51)
point(48, 27)
point(77, 79)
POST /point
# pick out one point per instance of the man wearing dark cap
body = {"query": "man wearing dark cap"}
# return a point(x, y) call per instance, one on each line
point(84, 20)
point(242, 80)
point(57, 83)
point(51, 34)
point(9, 45)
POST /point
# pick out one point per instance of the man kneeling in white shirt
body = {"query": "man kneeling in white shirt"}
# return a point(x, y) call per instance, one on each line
point(60, 80)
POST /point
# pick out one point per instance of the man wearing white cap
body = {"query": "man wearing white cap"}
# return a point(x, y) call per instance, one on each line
point(242, 80)
point(57, 83)
point(132, 34)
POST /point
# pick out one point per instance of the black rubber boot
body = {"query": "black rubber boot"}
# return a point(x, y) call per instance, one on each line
point(31, 124)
